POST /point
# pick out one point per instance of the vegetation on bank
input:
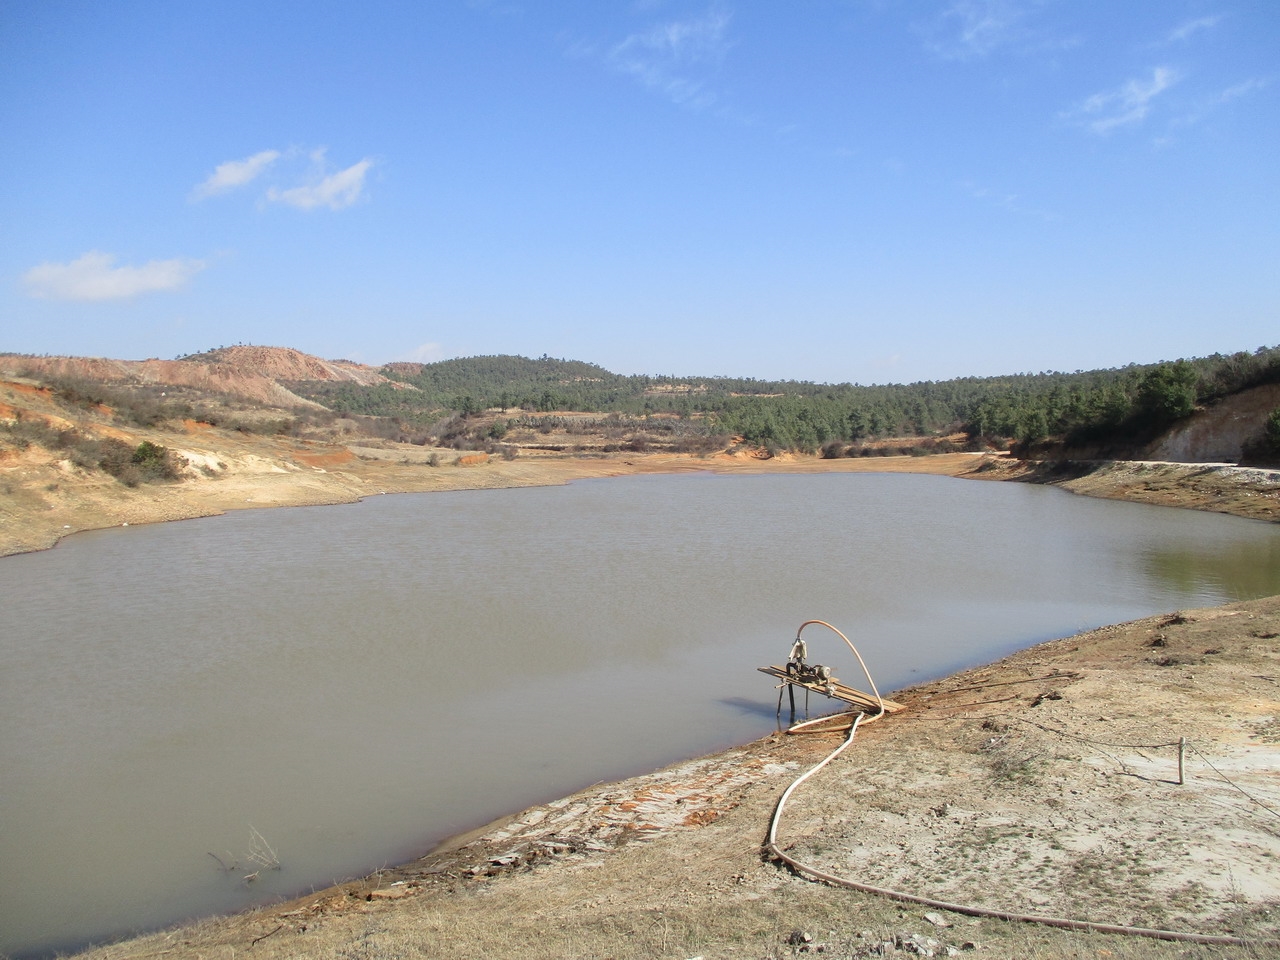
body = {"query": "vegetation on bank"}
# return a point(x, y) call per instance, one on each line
point(1108, 411)
point(145, 463)
point(502, 403)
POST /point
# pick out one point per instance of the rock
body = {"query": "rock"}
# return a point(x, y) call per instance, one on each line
point(919, 945)
point(388, 893)
point(937, 919)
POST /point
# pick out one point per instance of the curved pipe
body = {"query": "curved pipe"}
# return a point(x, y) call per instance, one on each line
point(798, 727)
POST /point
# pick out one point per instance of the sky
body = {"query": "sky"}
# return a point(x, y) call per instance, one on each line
point(866, 191)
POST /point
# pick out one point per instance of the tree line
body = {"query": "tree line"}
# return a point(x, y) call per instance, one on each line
point(1097, 407)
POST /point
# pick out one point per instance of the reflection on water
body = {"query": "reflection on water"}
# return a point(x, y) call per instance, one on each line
point(1237, 570)
point(358, 682)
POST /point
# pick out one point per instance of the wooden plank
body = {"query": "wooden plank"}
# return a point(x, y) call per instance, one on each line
point(839, 691)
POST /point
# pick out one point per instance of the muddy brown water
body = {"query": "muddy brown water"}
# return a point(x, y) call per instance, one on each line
point(356, 683)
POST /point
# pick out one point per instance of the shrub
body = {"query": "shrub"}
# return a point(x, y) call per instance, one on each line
point(1167, 394)
point(155, 462)
point(1264, 449)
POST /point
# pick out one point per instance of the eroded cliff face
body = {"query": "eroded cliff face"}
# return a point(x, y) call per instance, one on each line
point(1217, 433)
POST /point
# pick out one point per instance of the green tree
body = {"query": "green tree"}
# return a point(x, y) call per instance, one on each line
point(1167, 394)
point(1271, 432)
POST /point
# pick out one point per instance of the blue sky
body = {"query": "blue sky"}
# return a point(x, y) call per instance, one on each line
point(834, 190)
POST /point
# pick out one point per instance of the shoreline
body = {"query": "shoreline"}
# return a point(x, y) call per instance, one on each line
point(38, 520)
point(47, 507)
point(648, 838)
point(461, 865)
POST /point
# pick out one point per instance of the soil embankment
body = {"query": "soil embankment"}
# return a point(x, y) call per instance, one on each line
point(47, 498)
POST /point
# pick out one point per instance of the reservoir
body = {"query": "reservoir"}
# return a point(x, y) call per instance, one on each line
point(352, 684)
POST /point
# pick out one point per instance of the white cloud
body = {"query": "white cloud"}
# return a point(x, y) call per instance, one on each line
point(968, 29)
point(335, 191)
point(1183, 31)
point(1207, 106)
point(235, 173)
point(1241, 90)
point(1008, 202)
point(887, 362)
point(671, 58)
point(975, 29)
point(425, 353)
point(93, 277)
point(1127, 104)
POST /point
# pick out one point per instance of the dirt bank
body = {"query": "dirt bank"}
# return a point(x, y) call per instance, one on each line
point(1216, 487)
point(1046, 783)
point(46, 498)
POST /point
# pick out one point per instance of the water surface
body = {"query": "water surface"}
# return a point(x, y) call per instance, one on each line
point(358, 682)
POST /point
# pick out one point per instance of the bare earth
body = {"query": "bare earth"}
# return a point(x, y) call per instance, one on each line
point(1045, 784)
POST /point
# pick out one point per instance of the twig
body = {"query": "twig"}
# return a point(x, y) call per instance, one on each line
point(261, 852)
point(1056, 675)
point(225, 868)
point(265, 935)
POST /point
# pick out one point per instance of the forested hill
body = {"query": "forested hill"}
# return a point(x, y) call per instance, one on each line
point(1105, 411)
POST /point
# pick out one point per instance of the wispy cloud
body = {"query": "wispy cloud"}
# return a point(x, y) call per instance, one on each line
point(425, 353)
point(94, 277)
point(1209, 105)
point(975, 29)
point(972, 29)
point(890, 361)
point(1185, 30)
point(317, 188)
point(332, 190)
point(235, 173)
point(1008, 202)
point(1127, 104)
point(674, 58)
point(1242, 89)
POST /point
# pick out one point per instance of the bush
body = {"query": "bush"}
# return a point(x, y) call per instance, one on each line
point(1264, 450)
point(156, 463)
point(1167, 394)
point(146, 463)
